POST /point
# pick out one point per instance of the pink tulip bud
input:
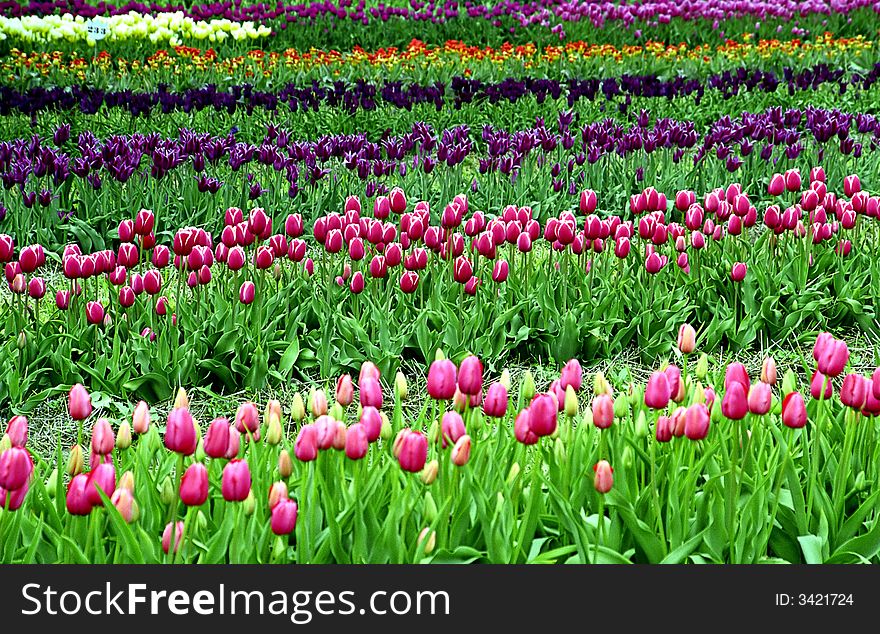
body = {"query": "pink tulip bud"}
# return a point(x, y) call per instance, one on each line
point(603, 411)
point(175, 530)
point(495, 404)
point(658, 391)
point(604, 478)
point(293, 225)
point(371, 421)
point(572, 375)
point(16, 467)
point(306, 445)
point(854, 391)
point(759, 398)
point(397, 200)
point(325, 432)
point(79, 403)
point(794, 411)
point(180, 432)
point(247, 418)
point(442, 379)
point(875, 383)
point(696, 421)
point(283, 520)
point(216, 441)
point(101, 477)
point(356, 442)
point(792, 180)
point(833, 355)
point(470, 375)
point(816, 386)
point(234, 443)
point(461, 451)
point(77, 502)
point(236, 481)
point(451, 428)
point(344, 390)
point(103, 440)
point(737, 373)
point(412, 451)
point(194, 485)
point(738, 272)
point(123, 501)
point(543, 414)
point(62, 300)
point(735, 404)
point(664, 429)
point(768, 371)
point(17, 430)
point(370, 392)
point(522, 429)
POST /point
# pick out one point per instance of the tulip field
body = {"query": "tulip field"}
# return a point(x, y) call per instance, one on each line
point(508, 281)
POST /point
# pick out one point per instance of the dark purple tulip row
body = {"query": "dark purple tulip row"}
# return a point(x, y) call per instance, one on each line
point(363, 95)
point(29, 164)
point(537, 12)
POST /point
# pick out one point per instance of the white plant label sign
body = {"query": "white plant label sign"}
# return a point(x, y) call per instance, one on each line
point(97, 28)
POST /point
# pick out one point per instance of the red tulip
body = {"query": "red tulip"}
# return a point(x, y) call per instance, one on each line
point(102, 477)
point(76, 501)
point(15, 468)
point(409, 281)
point(854, 391)
point(236, 481)
point(194, 485)
point(794, 411)
point(17, 430)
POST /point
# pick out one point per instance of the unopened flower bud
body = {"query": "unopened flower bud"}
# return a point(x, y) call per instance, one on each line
point(123, 435)
point(428, 540)
point(401, 389)
point(559, 454)
point(601, 385)
point(21, 341)
point(126, 481)
point(285, 464)
point(527, 386)
point(438, 355)
point(789, 382)
point(571, 402)
point(702, 368)
point(336, 412)
point(274, 431)
point(513, 474)
point(181, 400)
point(52, 483)
point(505, 379)
point(298, 408)
point(430, 508)
point(641, 426)
point(429, 473)
point(75, 461)
point(5, 443)
point(249, 503)
point(627, 456)
point(386, 431)
point(166, 491)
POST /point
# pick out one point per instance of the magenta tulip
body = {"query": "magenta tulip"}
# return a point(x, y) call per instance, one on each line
point(236, 481)
point(102, 477)
point(356, 442)
point(180, 432)
point(216, 441)
point(79, 403)
point(495, 403)
point(283, 521)
point(194, 485)
point(442, 379)
point(413, 451)
point(470, 375)
point(177, 530)
point(543, 414)
point(794, 411)
point(696, 422)
point(603, 411)
point(306, 446)
point(77, 502)
point(735, 404)
point(658, 391)
point(371, 420)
